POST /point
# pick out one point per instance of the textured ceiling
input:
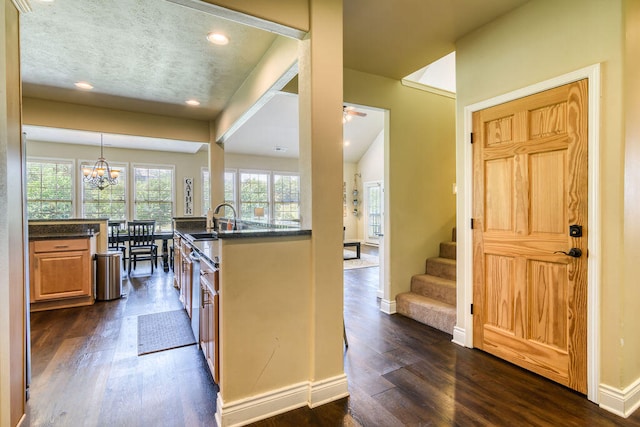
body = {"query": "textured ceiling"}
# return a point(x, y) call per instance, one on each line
point(152, 55)
point(142, 55)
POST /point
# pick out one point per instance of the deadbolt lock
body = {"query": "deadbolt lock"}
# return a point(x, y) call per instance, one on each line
point(575, 230)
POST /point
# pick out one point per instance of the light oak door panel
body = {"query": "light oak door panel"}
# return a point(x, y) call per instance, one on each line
point(530, 185)
point(61, 275)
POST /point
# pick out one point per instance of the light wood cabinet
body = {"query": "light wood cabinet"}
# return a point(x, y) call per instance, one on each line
point(209, 315)
point(177, 262)
point(61, 273)
point(186, 282)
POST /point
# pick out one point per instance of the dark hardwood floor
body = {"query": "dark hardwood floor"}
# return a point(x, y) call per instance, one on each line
point(86, 372)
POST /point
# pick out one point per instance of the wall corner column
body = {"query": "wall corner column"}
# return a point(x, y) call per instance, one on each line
point(321, 164)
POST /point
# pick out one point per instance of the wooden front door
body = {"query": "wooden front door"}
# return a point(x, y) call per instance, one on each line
point(530, 186)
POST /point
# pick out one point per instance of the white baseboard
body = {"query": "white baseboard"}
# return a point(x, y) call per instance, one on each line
point(387, 306)
point(620, 402)
point(328, 390)
point(255, 408)
point(459, 336)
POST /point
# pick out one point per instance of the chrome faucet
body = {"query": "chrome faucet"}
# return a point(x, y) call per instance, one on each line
point(235, 216)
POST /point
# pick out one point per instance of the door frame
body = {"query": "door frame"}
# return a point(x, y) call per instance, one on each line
point(463, 331)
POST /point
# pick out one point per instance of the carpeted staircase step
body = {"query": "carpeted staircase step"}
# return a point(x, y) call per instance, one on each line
point(441, 267)
point(448, 250)
point(429, 311)
point(434, 287)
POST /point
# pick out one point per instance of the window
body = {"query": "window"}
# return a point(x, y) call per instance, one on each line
point(254, 193)
point(49, 189)
point(153, 195)
point(109, 203)
point(374, 210)
point(206, 191)
point(230, 187)
point(286, 198)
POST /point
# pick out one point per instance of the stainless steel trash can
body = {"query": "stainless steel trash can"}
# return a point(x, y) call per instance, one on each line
point(108, 275)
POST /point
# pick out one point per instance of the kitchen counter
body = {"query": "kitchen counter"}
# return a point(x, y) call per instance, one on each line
point(62, 235)
point(70, 228)
point(209, 248)
point(261, 309)
point(264, 232)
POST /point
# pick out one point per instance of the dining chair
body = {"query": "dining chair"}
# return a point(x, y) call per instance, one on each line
point(115, 230)
point(142, 246)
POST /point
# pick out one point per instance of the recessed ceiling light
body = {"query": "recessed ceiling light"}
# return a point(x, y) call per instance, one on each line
point(83, 85)
point(346, 143)
point(193, 102)
point(218, 38)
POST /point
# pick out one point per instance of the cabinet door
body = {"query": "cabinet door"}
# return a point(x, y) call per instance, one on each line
point(214, 361)
point(187, 280)
point(177, 269)
point(61, 275)
point(204, 320)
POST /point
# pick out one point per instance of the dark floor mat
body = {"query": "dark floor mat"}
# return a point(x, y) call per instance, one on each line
point(163, 331)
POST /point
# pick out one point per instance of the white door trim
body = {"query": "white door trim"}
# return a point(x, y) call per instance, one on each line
point(463, 333)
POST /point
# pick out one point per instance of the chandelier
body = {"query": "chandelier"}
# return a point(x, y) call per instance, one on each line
point(101, 176)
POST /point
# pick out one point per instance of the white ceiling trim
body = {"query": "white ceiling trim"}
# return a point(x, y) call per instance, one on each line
point(428, 88)
point(241, 18)
point(23, 6)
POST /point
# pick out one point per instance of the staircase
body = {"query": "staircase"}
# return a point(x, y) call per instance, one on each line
point(432, 299)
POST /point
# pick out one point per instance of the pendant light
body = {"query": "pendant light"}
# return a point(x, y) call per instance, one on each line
point(101, 176)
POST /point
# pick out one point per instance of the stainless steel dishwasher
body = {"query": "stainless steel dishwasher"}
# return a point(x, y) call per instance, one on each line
point(196, 295)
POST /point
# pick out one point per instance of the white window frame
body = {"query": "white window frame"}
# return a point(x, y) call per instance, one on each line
point(273, 192)
point(134, 166)
point(236, 187)
point(203, 182)
point(367, 208)
point(74, 185)
point(121, 166)
point(239, 191)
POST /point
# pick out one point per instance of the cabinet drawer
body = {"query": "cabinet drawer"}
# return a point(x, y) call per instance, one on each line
point(61, 245)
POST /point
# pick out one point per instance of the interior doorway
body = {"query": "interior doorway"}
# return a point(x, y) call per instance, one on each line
point(365, 138)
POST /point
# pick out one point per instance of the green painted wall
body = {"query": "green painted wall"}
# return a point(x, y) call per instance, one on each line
point(419, 170)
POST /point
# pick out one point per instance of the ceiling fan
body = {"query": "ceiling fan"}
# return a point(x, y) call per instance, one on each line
point(348, 112)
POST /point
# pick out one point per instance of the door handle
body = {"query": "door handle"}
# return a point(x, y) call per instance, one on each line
point(573, 252)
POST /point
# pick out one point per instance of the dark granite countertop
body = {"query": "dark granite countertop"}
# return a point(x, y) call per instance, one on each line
point(266, 232)
point(62, 235)
point(209, 249)
point(249, 233)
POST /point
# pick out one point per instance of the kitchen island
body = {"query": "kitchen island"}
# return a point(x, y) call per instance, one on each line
point(264, 317)
point(61, 270)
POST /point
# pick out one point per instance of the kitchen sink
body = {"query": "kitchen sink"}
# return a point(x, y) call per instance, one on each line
point(203, 236)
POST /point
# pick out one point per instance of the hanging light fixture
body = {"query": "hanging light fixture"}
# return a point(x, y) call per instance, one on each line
point(101, 176)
